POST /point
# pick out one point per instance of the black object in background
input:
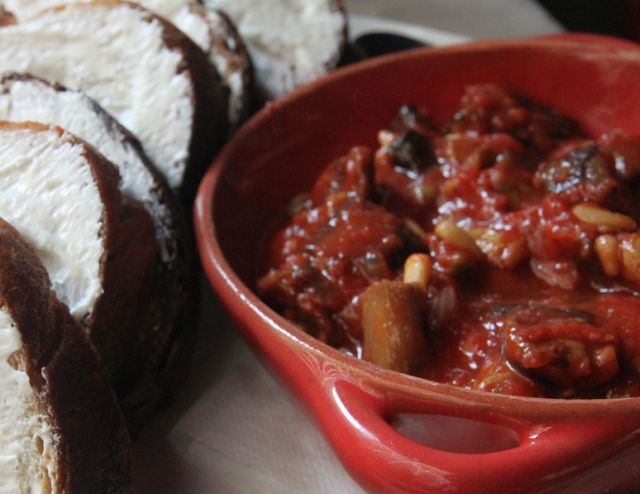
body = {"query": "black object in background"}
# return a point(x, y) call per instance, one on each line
point(613, 17)
point(375, 44)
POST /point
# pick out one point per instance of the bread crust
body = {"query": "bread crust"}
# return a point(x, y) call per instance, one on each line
point(119, 318)
point(143, 305)
point(94, 452)
point(338, 5)
point(227, 43)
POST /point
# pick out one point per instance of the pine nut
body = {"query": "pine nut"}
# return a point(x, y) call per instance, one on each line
point(385, 138)
point(452, 234)
point(417, 269)
point(630, 255)
point(595, 215)
point(606, 247)
point(491, 381)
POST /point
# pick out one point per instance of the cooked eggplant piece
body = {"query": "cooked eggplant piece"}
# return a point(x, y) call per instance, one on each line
point(584, 166)
point(393, 325)
point(411, 153)
point(558, 344)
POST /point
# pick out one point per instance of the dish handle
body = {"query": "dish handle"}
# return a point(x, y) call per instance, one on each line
point(466, 446)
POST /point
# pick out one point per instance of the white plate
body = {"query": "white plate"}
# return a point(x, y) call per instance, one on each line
point(361, 24)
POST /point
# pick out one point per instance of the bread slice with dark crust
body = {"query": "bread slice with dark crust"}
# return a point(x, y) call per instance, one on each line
point(218, 37)
point(69, 436)
point(97, 244)
point(144, 71)
point(291, 42)
point(26, 98)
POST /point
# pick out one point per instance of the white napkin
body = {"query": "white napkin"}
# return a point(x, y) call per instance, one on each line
point(235, 429)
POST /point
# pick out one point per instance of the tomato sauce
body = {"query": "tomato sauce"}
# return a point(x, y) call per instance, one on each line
point(529, 231)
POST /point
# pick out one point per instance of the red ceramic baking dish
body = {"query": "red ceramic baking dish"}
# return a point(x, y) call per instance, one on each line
point(457, 440)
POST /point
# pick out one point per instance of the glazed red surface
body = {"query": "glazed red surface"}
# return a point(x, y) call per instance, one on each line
point(532, 313)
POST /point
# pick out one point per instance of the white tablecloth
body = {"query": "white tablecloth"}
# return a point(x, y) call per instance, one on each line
point(235, 430)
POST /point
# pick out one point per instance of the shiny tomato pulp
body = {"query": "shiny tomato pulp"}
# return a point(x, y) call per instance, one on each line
point(525, 237)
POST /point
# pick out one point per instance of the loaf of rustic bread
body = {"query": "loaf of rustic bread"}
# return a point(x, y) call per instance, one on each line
point(116, 113)
point(60, 427)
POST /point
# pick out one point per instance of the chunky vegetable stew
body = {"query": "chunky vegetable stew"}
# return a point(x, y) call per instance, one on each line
point(501, 253)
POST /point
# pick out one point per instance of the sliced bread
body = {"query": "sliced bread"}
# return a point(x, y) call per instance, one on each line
point(291, 42)
point(60, 428)
point(97, 245)
point(150, 76)
point(210, 30)
point(26, 98)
